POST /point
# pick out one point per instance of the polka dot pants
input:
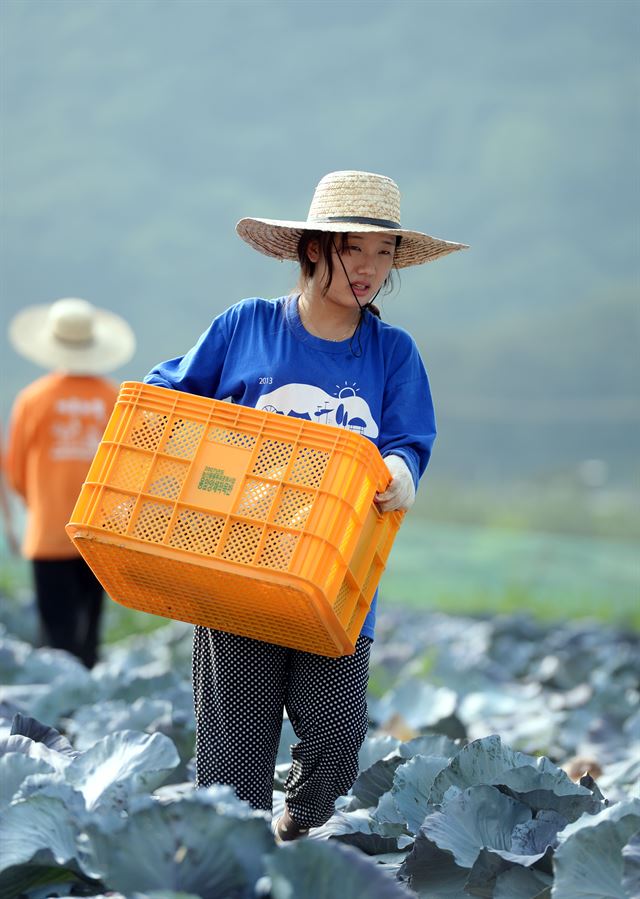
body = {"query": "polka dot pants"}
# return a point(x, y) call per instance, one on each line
point(241, 687)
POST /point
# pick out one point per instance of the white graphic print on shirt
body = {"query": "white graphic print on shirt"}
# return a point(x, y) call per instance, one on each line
point(344, 409)
point(77, 429)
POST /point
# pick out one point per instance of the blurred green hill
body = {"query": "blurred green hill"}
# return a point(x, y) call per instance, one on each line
point(134, 135)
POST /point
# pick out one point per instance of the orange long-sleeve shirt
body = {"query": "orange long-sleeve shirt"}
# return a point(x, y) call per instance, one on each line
point(56, 425)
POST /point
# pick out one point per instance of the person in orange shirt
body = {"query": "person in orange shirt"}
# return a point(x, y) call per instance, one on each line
point(55, 428)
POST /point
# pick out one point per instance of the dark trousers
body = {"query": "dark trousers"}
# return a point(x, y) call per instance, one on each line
point(241, 688)
point(69, 599)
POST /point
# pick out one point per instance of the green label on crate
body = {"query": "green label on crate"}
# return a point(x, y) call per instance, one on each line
point(215, 481)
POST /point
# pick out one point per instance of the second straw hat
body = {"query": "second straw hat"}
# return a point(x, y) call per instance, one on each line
point(74, 336)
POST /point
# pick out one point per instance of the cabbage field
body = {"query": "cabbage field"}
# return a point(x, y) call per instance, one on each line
point(503, 760)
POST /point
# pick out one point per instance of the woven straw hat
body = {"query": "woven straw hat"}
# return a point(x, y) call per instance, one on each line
point(347, 201)
point(73, 336)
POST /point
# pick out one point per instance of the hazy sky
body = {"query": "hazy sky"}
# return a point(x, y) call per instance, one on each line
point(136, 132)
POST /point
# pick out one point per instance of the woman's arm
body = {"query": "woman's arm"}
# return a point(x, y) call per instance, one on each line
point(408, 425)
point(199, 370)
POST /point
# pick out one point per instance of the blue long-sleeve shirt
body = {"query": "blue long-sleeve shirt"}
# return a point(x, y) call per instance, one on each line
point(257, 353)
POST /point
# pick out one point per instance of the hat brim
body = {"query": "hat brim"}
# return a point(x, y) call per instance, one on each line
point(112, 345)
point(280, 239)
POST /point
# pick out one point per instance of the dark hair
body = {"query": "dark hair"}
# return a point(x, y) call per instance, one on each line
point(326, 241)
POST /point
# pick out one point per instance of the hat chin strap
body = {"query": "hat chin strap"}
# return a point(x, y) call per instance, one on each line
point(360, 306)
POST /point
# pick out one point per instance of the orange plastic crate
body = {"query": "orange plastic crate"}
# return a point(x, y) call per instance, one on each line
point(246, 521)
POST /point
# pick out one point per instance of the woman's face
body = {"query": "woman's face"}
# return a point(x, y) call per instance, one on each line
point(367, 259)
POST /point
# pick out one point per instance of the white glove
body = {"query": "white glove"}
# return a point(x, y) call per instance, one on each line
point(401, 492)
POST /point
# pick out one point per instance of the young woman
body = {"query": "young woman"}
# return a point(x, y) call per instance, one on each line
point(322, 353)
